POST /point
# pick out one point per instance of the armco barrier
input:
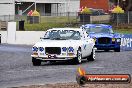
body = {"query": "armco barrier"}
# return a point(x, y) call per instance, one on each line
point(126, 42)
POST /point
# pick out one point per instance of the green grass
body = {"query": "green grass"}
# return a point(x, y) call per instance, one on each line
point(47, 22)
point(124, 31)
point(42, 26)
point(58, 19)
point(47, 19)
point(48, 25)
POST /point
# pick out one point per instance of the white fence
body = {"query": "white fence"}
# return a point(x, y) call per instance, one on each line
point(31, 37)
point(22, 37)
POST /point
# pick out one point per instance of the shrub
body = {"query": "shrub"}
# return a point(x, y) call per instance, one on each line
point(86, 11)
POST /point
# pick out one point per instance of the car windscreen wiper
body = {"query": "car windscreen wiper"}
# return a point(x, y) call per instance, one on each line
point(44, 38)
point(58, 38)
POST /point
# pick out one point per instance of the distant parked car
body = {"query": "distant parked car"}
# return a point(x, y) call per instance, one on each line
point(105, 38)
point(61, 44)
point(97, 12)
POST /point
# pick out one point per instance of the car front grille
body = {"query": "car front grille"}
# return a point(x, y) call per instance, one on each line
point(53, 50)
point(104, 40)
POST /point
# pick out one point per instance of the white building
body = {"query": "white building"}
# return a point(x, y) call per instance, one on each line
point(12, 7)
point(7, 7)
point(7, 10)
point(46, 7)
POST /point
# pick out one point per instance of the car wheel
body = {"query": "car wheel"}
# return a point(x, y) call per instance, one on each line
point(36, 62)
point(117, 49)
point(78, 59)
point(92, 55)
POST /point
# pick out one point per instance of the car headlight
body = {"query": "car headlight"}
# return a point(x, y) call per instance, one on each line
point(35, 49)
point(113, 39)
point(41, 49)
point(94, 39)
point(118, 40)
point(64, 49)
point(70, 49)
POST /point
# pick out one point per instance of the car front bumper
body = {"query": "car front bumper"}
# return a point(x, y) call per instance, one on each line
point(57, 58)
point(107, 46)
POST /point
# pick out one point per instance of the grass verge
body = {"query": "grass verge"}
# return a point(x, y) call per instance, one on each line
point(123, 31)
point(42, 26)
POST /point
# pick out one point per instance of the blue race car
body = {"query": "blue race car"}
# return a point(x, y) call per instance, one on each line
point(105, 38)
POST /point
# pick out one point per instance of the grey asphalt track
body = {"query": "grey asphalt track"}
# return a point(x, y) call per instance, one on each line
point(16, 68)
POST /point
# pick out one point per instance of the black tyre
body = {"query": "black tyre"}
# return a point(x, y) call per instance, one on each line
point(92, 55)
point(36, 62)
point(117, 49)
point(78, 59)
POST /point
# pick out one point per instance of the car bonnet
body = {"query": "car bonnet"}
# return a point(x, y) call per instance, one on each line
point(58, 43)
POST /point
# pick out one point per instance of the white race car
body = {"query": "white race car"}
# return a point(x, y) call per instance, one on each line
point(59, 44)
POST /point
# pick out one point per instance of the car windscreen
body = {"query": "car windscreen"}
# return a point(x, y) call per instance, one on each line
point(99, 30)
point(62, 35)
